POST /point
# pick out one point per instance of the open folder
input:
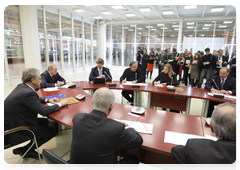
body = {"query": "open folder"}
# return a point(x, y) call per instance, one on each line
point(139, 126)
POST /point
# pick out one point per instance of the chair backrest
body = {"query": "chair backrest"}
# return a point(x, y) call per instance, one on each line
point(52, 158)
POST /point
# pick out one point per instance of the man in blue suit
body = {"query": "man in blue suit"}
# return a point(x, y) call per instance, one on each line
point(51, 78)
point(100, 72)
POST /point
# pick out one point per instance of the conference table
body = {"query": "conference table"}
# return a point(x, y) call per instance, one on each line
point(160, 97)
point(153, 150)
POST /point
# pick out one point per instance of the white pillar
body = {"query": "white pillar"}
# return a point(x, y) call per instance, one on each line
point(83, 47)
point(29, 28)
point(102, 40)
point(180, 34)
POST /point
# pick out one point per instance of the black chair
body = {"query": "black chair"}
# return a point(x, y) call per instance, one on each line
point(52, 158)
point(21, 128)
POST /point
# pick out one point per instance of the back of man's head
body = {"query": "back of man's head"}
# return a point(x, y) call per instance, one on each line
point(102, 99)
point(223, 120)
point(29, 73)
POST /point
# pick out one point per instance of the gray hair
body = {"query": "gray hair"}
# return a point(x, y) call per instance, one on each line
point(102, 99)
point(100, 61)
point(223, 120)
point(30, 73)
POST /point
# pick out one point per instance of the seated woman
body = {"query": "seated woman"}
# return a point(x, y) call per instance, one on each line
point(166, 77)
point(100, 72)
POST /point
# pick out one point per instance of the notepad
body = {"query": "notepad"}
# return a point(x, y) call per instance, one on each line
point(70, 100)
point(139, 126)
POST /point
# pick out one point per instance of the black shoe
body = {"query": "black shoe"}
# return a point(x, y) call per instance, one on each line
point(18, 151)
point(33, 154)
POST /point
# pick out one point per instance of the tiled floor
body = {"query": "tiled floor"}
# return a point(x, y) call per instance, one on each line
point(62, 142)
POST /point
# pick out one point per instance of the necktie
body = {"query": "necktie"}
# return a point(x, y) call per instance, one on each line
point(100, 72)
point(141, 61)
point(222, 84)
point(52, 79)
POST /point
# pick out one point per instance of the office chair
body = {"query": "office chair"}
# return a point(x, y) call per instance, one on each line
point(52, 158)
point(13, 130)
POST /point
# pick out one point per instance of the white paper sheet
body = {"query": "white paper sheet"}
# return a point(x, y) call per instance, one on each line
point(130, 84)
point(159, 85)
point(225, 95)
point(139, 126)
point(51, 89)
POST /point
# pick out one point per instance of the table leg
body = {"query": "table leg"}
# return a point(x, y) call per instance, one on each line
point(135, 98)
point(188, 105)
point(205, 108)
point(90, 92)
point(149, 100)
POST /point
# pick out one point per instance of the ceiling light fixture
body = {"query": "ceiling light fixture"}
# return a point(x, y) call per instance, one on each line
point(205, 28)
point(106, 13)
point(190, 6)
point(145, 9)
point(79, 10)
point(222, 26)
point(190, 23)
point(97, 17)
point(117, 7)
point(130, 15)
point(160, 24)
point(227, 22)
point(217, 9)
point(190, 27)
point(175, 25)
point(167, 12)
point(207, 25)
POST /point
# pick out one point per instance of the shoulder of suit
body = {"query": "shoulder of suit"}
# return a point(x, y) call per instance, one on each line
point(79, 116)
point(45, 73)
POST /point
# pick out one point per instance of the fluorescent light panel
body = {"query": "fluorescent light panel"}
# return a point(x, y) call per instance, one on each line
point(175, 25)
point(167, 12)
point(190, 27)
point(228, 22)
point(117, 7)
point(97, 17)
point(139, 28)
point(190, 6)
point(145, 9)
point(106, 13)
point(79, 10)
point(130, 15)
point(160, 24)
point(217, 9)
point(190, 23)
point(205, 28)
point(222, 26)
point(207, 25)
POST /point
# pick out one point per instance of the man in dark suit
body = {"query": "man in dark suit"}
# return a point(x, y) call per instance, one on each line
point(142, 62)
point(100, 72)
point(21, 108)
point(222, 61)
point(225, 85)
point(205, 151)
point(167, 58)
point(51, 78)
point(96, 139)
point(134, 74)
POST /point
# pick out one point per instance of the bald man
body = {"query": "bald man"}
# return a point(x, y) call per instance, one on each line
point(51, 78)
point(225, 85)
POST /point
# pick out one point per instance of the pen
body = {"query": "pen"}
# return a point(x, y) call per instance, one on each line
point(145, 127)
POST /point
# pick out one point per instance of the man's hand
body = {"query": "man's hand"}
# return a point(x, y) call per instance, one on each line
point(63, 102)
point(124, 81)
point(124, 123)
point(134, 82)
point(102, 76)
point(53, 100)
point(208, 62)
point(141, 55)
point(164, 84)
point(169, 60)
point(155, 83)
point(215, 91)
point(224, 92)
point(60, 83)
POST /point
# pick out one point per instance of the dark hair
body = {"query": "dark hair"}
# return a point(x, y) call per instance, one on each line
point(207, 49)
point(174, 50)
point(131, 63)
point(166, 50)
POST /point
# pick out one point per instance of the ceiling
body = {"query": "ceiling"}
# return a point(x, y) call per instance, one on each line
point(156, 11)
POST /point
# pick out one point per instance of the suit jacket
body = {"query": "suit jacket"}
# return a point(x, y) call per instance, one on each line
point(97, 139)
point(165, 58)
point(21, 108)
point(161, 77)
point(204, 151)
point(229, 85)
point(47, 79)
point(232, 69)
point(144, 60)
point(94, 73)
point(224, 58)
point(130, 75)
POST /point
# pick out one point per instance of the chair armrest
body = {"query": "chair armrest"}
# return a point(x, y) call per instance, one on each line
point(16, 129)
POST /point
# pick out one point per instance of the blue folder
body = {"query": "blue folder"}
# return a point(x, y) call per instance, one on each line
point(57, 96)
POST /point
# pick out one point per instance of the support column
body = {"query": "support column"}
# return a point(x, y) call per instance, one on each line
point(102, 40)
point(180, 34)
point(29, 28)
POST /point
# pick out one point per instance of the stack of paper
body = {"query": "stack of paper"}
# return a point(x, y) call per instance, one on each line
point(139, 127)
point(181, 138)
point(130, 83)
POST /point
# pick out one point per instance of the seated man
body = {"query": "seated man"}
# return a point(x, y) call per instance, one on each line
point(97, 139)
point(100, 72)
point(225, 83)
point(21, 108)
point(206, 151)
point(133, 74)
point(51, 78)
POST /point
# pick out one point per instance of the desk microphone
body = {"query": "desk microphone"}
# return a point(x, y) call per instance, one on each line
point(171, 88)
point(113, 84)
point(221, 96)
point(80, 96)
point(137, 109)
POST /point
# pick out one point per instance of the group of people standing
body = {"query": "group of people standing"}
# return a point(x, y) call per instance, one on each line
point(191, 69)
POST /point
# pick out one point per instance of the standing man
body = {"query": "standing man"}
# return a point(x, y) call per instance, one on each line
point(134, 74)
point(159, 61)
point(225, 83)
point(222, 61)
point(208, 63)
point(142, 62)
point(166, 58)
point(206, 151)
point(51, 78)
point(21, 108)
point(96, 139)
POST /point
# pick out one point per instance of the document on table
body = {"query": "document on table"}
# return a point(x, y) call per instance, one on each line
point(225, 95)
point(159, 85)
point(67, 85)
point(51, 89)
point(139, 126)
point(130, 84)
point(181, 138)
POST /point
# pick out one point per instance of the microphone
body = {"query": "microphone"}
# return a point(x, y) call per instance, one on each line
point(137, 109)
point(110, 79)
point(170, 88)
point(221, 96)
point(135, 76)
